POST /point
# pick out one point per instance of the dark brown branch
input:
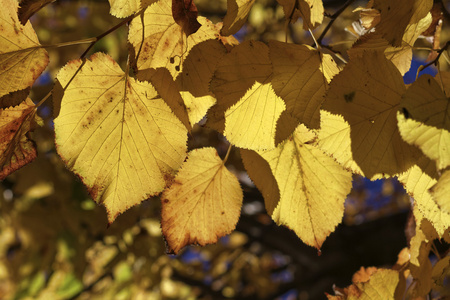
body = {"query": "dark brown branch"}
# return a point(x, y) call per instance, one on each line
point(333, 18)
point(434, 61)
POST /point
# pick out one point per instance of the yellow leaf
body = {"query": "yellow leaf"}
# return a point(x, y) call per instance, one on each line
point(311, 11)
point(251, 122)
point(21, 59)
point(125, 8)
point(16, 149)
point(370, 284)
point(441, 191)
point(237, 13)
point(367, 94)
point(193, 81)
point(116, 133)
point(380, 285)
point(235, 74)
point(167, 89)
point(313, 187)
point(203, 203)
point(260, 173)
point(159, 42)
point(425, 119)
point(417, 181)
point(299, 81)
point(400, 56)
point(397, 15)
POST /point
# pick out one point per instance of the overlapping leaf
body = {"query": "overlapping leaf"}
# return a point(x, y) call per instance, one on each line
point(394, 18)
point(441, 191)
point(203, 203)
point(235, 74)
point(299, 80)
point(21, 58)
point(237, 13)
point(193, 81)
point(417, 181)
point(425, 118)
point(370, 284)
point(251, 122)
point(116, 134)
point(313, 187)
point(400, 56)
point(311, 11)
point(366, 94)
point(158, 41)
point(16, 148)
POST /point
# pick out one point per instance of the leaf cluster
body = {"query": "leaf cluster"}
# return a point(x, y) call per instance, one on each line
point(302, 123)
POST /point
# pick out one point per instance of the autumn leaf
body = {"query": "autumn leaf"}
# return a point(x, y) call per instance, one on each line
point(125, 8)
point(299, 81)
point(260, 173)
point(311, 11)
point(251, 122)
point(425, 118)
point(440, 192)
point(116, 133)
point(400, 56)
point(372, 284)
point(237, 13)
point(203, 203)
point(21, 58)
point(417, 181)
point(313, 187)
point(167, 89)
point(185, 14)
point(16, 148)
point(30, 7)
point(235, 74)
point(367, 94)
point(193, 81)
point(159, 42)
point(394, 18)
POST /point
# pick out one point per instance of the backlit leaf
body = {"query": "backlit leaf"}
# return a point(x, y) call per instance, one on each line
point(21, 59)
point(400, 56)
point(167, 89)
point(260, 173)
point(311, 11)
point(193, 81)
point(203, 203)
point(417, 181)
point(236, 73)
point(425, 119)
point(185, 14)
point(16, 149)
point(298, 80)
point(158, 41)
point(313, 187)
point(367, 94)
point(441, 191)
point(373, 284)
point(237, 13)
point(395, 18)
point(115, 133)
point(251, 122)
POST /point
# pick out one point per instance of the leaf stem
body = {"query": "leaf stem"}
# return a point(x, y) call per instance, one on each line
point(228, 154)
point(333, 18)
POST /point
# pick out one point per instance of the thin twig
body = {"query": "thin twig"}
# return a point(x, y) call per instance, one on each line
point(333, 18)
point(434, 61)
point(96, 39)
